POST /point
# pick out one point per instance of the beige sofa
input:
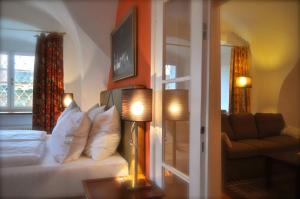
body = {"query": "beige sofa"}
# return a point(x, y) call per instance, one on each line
point(251, 136)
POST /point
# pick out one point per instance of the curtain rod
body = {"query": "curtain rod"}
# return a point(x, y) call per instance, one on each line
point(231, 45)
point(31, 30)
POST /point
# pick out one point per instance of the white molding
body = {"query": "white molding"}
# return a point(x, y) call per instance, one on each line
point(176, 80)
point(156, 84)
point(196, 99)
point(178, 173)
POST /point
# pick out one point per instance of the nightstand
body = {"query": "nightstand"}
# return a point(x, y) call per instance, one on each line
point(110, 188)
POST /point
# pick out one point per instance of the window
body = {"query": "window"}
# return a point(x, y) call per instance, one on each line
point(225, 77)
point(16, 82)
point(170, 72)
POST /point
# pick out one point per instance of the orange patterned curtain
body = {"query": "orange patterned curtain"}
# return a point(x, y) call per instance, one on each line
point(239, 66)
point(48, 82)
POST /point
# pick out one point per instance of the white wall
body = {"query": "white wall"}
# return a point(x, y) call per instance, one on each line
point(87, 25)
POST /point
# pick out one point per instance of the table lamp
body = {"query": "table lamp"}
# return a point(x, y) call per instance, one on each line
point(67, 99)
point(136, 107)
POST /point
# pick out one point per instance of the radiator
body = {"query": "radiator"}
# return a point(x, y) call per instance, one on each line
point(16, 127)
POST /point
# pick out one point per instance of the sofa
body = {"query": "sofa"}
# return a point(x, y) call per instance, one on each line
point(249, 137)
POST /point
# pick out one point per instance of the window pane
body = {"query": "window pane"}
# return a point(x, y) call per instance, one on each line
point(176, 126)
point(23, 80)
point(177, 38)
point(225, 77)
point(3, 80)
point(174, 187)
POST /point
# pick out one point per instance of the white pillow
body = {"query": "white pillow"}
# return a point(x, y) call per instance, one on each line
point(291, 131)
point(70, 108)
point(105, 135)
point(69, 136)
point(95, 110)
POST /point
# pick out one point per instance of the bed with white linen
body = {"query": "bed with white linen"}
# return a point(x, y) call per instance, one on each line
point(71, 154)
point(50, 179)
point(20, 148)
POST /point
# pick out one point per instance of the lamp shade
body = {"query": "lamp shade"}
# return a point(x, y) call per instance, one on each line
point(176, 105)
point(243, 82)
point(137, 105)
point(67, 99)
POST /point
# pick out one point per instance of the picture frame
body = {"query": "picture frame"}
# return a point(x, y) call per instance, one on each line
point(123, 48)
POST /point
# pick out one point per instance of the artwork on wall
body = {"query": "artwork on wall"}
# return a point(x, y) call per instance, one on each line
point(123, 43)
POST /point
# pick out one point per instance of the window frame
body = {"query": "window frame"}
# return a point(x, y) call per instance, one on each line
point(10, 108)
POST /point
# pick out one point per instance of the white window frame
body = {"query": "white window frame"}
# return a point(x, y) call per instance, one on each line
point(10, 83)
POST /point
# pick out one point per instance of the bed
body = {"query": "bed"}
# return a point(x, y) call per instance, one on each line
point(49, 179)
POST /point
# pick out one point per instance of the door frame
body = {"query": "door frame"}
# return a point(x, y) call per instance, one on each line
point(208, 183)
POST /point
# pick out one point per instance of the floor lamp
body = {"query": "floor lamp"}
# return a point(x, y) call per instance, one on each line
point(243, 82)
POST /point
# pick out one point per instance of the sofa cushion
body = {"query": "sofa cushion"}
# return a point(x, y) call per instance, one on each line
point(226, 127)
point(284, 142)
point(241, 150)
point(269, 124)
point(266, 146)
point(243, 125)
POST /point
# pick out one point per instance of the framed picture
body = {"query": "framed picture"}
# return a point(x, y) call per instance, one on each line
point(123, 44)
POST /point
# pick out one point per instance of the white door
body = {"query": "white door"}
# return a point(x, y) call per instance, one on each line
point(176, 143)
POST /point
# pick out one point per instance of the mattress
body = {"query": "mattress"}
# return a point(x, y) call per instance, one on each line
point(50, 179)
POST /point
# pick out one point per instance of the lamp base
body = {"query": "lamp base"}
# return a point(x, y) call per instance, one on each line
point(140, 185)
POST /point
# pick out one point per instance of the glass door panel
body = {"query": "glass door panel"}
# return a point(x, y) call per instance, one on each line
point(175, 187)
point(176, 98)
point(176, 125)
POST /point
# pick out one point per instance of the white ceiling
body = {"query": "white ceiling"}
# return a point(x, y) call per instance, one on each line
point(95, 18)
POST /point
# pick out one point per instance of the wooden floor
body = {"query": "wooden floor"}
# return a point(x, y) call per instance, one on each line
point(225, 196)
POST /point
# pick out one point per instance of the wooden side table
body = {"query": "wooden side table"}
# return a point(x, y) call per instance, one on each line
point(110, 188)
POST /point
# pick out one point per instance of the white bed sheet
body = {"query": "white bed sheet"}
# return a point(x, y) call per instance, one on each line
point(53, 180)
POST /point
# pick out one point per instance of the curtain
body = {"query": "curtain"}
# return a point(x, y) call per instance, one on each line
point(239, 66)
point(48, 81)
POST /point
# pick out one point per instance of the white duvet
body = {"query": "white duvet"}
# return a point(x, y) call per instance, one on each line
point(22, 135)
point(20, 148)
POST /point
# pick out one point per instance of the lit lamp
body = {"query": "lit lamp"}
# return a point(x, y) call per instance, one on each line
point(67, 99)
point(136, 107)
point(176, 105)
point(243, 82)
point(176, 108)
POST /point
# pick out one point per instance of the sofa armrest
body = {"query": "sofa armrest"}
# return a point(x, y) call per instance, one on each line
point(225, 144)
point(291, 131)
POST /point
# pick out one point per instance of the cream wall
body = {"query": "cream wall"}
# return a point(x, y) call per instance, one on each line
point(271, 28)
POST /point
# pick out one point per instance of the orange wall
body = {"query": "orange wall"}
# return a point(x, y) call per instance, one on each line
point(143, 42)
point(143, 8)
